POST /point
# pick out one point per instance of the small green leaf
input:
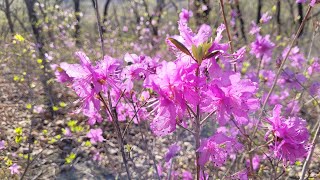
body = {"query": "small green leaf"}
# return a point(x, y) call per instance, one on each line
point(180, 46)
point(194, 51)
point(78, 128)
point(28, 106)
point(128, 147)
point(298, 163)
point(210, 55)
point(62, 104)
point(70, 158)
point(8, 162)
point(39, 61)
point(18, 130)
point(18, 37)
point(55, 108)
point(53, 140)
point(72, 123)
point(87, 144)
point(57, 137)
point(18, 139)
point(16, 78)
point(45, 132)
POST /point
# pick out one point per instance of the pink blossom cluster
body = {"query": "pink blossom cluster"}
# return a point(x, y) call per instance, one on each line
point(290, 136)
point(198, 84)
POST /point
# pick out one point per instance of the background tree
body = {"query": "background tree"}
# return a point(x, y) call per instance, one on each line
point(259, 9)
point(202, 10)
point(77, 26)
point(36, 29)
point(5, 7)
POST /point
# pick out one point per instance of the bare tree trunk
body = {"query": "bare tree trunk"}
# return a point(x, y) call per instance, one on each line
point(40, 43)
point(259, 11)
point(157, 16)
point(278, 16)
point(242, 24)
point(105, 14)
point(202, 16)
point(7, 12)
point(77, 26)
point(300, 11)
point(234, 18)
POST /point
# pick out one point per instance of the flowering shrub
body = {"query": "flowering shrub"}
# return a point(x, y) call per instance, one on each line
point(202, 86)
point(196, 86)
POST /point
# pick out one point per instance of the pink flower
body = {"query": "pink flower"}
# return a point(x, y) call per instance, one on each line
point(234, 98)
point(172, 151)
point(188, 38)
point(262, 47)
point(2, 144)
point(67, 132)
point(165, 120)
point(125, 29)
point(139, 68)
point(315, 89)
point(174, 83)
point(239, 55)
point(312, 2)
point(95, 135)
point(96, 156)
point(297, 58)
point(255, 162)
point(315, 67)
point(185, 15)
point(93, 115)
point(186, 175)
point(159, 168)
point(14, 169)
point(292, 79)
point(217, 148)
point(60, 73)
point(290, 136)
point(89, 80)
point(265, 18)
point(255, 29)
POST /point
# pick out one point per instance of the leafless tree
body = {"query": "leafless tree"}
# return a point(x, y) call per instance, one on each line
point(242, 24)
point(155, 17)
point(278, 16)
point(36, 29)
point(105, 14)
point(300, 12)
point(259, 9)
point(77, 26)
point(5, 7)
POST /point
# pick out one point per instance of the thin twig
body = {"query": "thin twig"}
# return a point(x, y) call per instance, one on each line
point(96, 7)
point(197, 132)
point(228, 32)
point(314, 141)
point(186, 129)
point(115, 122)
point(146, 145)
point(131, 120)
point(190, 109)
point(207, 117)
